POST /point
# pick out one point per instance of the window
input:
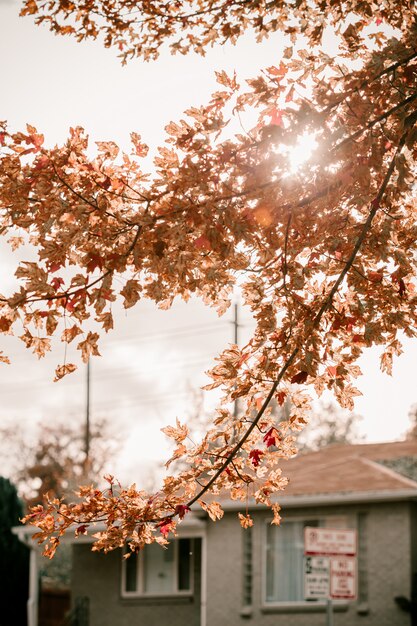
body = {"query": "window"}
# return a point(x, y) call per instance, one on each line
point(284, 562)
point(158, 571)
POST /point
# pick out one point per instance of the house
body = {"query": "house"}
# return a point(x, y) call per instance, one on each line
point(221, 575)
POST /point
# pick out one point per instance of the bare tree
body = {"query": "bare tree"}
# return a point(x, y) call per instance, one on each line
point(330, 425)
point(53, 460)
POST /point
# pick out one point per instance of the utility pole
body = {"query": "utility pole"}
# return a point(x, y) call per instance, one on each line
point(236, 339)
point(236, 323)
point(87, 420)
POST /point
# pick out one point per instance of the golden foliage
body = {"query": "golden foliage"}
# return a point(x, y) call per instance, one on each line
point(325, 255)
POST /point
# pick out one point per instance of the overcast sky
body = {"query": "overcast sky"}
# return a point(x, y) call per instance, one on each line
point(153, 358)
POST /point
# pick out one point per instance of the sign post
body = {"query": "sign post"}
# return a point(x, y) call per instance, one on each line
point(329, 565)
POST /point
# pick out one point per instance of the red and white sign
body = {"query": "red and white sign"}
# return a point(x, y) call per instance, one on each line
point(334, 575)
point(343, 578)
point(329, 541)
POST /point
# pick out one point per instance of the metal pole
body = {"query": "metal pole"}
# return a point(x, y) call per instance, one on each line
point(236, 339)
point(329, 612)
point(87, 419)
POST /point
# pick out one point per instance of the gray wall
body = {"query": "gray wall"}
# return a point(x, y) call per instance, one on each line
point(98, 577)
point(389, 554)
point(387, 558)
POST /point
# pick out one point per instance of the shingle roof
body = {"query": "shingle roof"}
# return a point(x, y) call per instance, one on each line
point(343, 468)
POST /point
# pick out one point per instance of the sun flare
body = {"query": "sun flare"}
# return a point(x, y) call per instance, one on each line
point(302, 151)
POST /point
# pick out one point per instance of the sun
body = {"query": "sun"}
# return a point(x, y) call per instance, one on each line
point(302, 151)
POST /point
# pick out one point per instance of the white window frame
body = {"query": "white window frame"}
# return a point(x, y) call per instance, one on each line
point(314, 604)
point(140, 593)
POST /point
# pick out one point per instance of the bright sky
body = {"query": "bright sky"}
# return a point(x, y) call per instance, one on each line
point(154, 358)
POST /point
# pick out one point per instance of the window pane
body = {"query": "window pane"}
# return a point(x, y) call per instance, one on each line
point(184, 564)
point(158, 569)
point(284, 561)
point(131, 565)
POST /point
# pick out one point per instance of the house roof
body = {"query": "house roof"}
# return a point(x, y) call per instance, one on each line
point(339, 473)
point(346, 469)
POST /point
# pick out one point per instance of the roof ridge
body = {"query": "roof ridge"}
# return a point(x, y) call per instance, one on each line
point(390, 472)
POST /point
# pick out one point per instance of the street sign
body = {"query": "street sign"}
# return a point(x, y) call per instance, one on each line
point(329, 541)
point(343, 578)
point(316, 577)
point(329, 563)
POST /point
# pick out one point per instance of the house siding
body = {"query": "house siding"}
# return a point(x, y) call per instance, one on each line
point(98, 577)
point(389, 539)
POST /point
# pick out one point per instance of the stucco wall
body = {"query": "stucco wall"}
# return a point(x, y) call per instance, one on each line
point(98, 577)
point(388, 566)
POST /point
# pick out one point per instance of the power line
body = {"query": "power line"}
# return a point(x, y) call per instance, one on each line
point(114, 374)
point(189, 330)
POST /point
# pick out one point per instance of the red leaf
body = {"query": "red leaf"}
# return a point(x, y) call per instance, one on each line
point(181, 510)
point(272, 437)
point(95, 261)
point(54, 267)
point(81, 530)
point(57, 283)
point(5, 324)
point(281, 395)
point(255, 456)
point(279, 72)
point(202, 243)
point(375, 277)
point(276, 117)
point(299, 378)
point(166, 526)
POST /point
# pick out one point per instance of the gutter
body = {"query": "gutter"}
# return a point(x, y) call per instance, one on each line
point(354, 497)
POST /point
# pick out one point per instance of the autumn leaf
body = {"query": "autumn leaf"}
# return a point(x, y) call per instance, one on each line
point(213, 509)
point(5, 324)
point(255, 456)
point(332, 371)
point(89, 347)
point(277, 518)
point(178, 433)
point(281, 397)
point(140, 149)
point(63, 370)
point(131, 293)
point(202, 243)
point(179, 451)
point(166, 526)
point(276, 117)
point(57, 283)
point(4, 358)
point(299, 378)
point(181, 510)
point(272, 437)
point(70, 333)
point(81, 530)
point(245, 520)
point(95, 261)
